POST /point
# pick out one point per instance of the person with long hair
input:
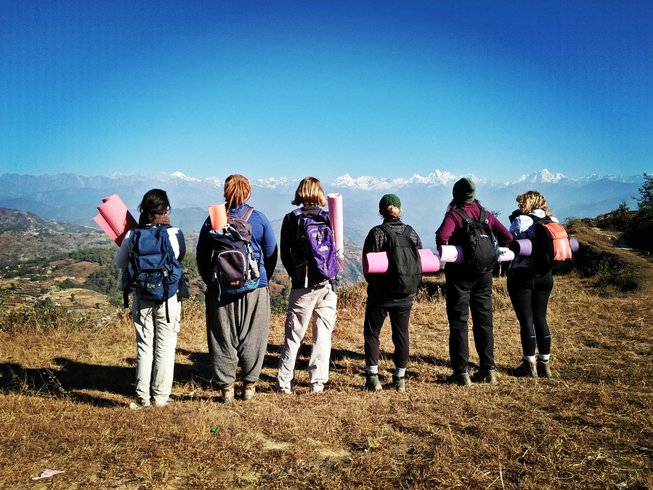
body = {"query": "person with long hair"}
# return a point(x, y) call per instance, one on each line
point(468, 290)
point(312, 295)
point(382, 300)
point(530, 288)
point(156, 324)
point(238, 324)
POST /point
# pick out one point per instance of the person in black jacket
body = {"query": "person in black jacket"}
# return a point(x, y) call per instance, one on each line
point(382, 301)
point(312, 295)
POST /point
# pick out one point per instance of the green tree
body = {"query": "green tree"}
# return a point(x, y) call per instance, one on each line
point(646, 192)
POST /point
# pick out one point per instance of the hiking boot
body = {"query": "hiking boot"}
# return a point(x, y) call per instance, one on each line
point(373, 383)
point(399, 384)
point(285, 391)
point(138, 405)
point(544, 369)
point(249, 391)
point(461, 379)
point(526, 369)
point(228, 393)
point(485, 376)
point(165, 403)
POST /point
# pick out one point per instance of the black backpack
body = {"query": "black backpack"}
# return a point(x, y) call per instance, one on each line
point(480, 248)
point(404, 266)
point(153, 272)
point(234, 267)
point(551, 247)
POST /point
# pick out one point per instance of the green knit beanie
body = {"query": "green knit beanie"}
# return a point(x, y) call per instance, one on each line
point(464, 191)
point(388, 200)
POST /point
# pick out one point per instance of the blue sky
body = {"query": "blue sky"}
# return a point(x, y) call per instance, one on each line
point(326, 87)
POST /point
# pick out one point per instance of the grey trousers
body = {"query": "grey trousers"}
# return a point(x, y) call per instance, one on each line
point(237, 332)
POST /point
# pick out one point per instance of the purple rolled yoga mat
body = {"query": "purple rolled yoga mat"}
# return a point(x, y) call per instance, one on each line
point(524, 247)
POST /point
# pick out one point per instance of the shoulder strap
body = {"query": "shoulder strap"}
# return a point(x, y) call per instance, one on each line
point(483, 217)
point(465, 217)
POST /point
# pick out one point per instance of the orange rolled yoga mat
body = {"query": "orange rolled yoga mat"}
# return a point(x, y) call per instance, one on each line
point(114, 218)
point(218, 215)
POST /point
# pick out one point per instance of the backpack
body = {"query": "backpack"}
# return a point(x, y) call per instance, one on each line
point(480, 248)
point(404, 266)
point(551, 247)
point(153, 272)
point(317, 244)
point(234, 267)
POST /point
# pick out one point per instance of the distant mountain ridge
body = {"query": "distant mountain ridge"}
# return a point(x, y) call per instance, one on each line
point(73, 198)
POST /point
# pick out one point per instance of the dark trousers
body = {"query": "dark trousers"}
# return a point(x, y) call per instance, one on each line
point(469, 291)
point(530, 298)
point(399, 319)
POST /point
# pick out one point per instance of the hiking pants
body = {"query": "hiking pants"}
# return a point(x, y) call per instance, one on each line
point(156, 340)
point(530, 298)
point(399, 319)
point(316, 303)
point(464, 292)
point(237, 332)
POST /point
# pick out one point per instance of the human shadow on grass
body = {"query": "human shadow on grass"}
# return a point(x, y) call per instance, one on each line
point(68, 376)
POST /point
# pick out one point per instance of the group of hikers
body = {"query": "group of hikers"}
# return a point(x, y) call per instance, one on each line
point(236, 261)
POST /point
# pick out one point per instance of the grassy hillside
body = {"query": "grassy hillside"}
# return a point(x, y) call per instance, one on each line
point(66, 382)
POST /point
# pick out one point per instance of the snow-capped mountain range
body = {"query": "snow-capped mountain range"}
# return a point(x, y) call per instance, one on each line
point(70, 197)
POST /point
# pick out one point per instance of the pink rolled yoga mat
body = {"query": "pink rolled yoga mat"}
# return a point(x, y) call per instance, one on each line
point(377, 262)
point(524, 247)
point(336, 217)
point(454, 254)
point(218, 215)
point(114, 218)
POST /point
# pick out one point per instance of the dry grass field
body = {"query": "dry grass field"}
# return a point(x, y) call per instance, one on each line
point(65, 389)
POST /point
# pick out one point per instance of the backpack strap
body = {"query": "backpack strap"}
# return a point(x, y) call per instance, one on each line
point(465, 217)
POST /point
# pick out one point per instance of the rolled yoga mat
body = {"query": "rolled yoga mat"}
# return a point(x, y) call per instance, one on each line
point(336, 217)
point(114, 218)
point(454, 254)
point(524, 247)
point(218, 215)
point(377, 262)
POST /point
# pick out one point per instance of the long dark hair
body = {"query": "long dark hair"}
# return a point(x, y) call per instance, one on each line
point(155, 203)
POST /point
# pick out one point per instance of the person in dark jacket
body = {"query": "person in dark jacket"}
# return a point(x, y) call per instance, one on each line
point(382, 302)
point(238, 325)
point(467, 290)
point(312, 295)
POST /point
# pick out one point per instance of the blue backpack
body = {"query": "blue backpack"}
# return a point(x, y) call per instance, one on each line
point(314, 230)
point(234, 266)
point(153, 272)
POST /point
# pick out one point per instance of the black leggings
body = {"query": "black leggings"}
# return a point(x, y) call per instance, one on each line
point(530, 297)
point(399, 319)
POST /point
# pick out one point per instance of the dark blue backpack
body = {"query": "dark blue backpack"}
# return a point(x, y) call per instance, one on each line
point(314, 230)
point(153, 272)
point(234, 266)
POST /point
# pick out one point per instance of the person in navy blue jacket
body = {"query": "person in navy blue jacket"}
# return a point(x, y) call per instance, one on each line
point(238, 325)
